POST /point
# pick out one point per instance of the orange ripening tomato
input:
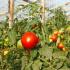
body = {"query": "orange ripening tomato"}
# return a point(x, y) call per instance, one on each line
point(60, 46)
point(29, 40)
point(54, 38)
point(56, 33)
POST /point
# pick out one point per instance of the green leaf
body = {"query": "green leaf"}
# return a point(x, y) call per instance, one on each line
point(68, 63)
point(33, 54)
point(12, 36)
point(59, 65)
point(28, 66)
point(2, 25)
point(46, 51)
point(64, 68)
point(60, 54)
point(37, 65)
point(24, 62)
point(49, 68)
point(0, 32)
point(0, 58)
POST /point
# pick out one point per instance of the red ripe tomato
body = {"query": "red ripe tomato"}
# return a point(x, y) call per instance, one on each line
point(60, 46)
point(54, 38)
point(29, 40)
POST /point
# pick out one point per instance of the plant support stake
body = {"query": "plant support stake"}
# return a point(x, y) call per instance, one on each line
point(43, 11)
point(11, 12)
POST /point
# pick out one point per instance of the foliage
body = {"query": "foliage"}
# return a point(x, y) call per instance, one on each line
point(46, 55)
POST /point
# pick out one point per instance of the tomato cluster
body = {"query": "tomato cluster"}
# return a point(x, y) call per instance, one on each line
point(54, 38)
point(29, 40)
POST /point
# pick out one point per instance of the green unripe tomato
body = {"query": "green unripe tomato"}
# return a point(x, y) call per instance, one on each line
point(19, 44)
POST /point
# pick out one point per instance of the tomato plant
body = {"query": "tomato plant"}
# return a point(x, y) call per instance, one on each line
point(25, 33)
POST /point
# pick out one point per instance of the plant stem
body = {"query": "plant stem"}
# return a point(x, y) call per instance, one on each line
point(43, 17)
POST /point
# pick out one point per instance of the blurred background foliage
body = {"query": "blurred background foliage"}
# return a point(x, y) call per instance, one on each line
point(46, 55)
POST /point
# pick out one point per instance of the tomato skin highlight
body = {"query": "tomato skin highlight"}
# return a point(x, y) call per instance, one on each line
point(29, 40)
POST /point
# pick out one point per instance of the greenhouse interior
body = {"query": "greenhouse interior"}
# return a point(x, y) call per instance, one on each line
point(34, 34)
